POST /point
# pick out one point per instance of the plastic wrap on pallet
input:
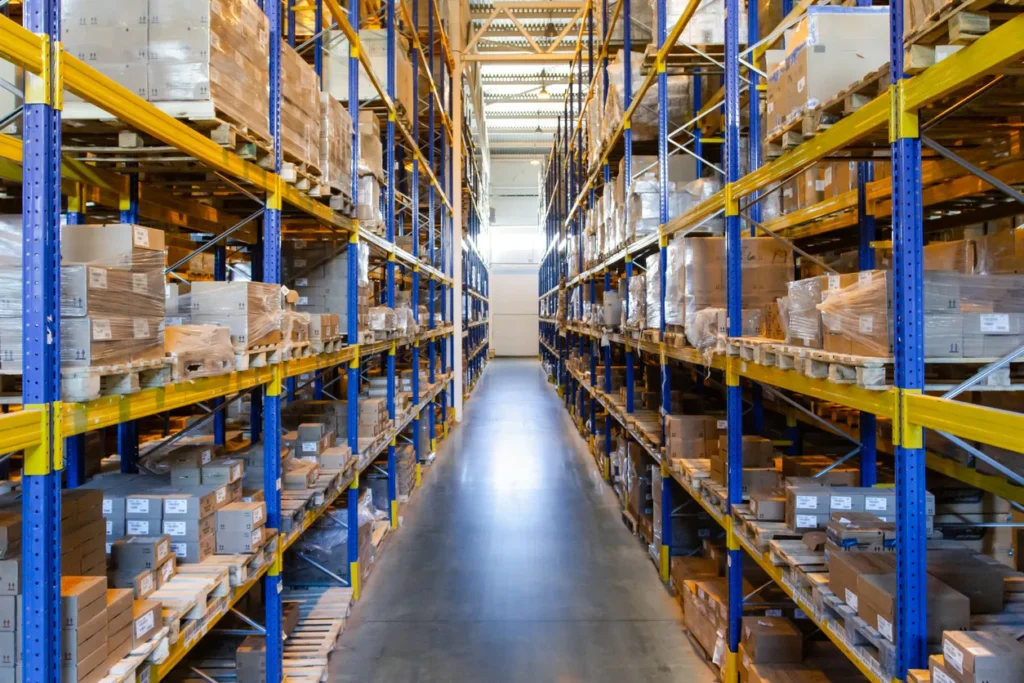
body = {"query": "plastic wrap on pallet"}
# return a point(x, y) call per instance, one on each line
point(644, 121)
point(368, 206)
point(1000, 252)
point(251, 310)
point(295, 326)
point(206, 51)
point(696, 192)
point(373, 43)
point(382, 319)
point(767, 268)
point(371, 149)
point(637, 317)
point(706, 26)
point(405, 324)
point(111, 293)
point(209, 343)
point(645, 208)
point(799, 312)
point(675, 305)
point(706, 326)
point(300, 110)
point(335, 145)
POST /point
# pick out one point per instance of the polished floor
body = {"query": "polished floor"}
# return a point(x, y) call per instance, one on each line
point(512, 563)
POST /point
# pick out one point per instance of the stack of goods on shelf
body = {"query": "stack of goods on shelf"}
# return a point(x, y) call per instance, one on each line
point(178, 54)
point(829, 50)
point(706, 26)
point(326, 543)
point(332, 419)
point(374, 422)
point(373, 43)
point(974, 657)
point(644, 122)
point(251, 310)
point(319, 273)
point(759, 471)
point(405, 462)
point(371, 172)
point(300, 113)
point(812, 503)
point(336, 149)
point(767, 269)
point(198, 350)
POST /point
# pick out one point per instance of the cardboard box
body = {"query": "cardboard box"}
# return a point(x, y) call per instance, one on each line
point(844, 568)
point(136, 553)
point(191, 552)
point(241, 517)
point(146, 620)
point(771, 640)
point(79, 643)
point(222, 471)
point(947, 609)
point(82, 598)
point(117, 245)
point(232, 543)
point(251, 660)
point(982, 656)
point(144, 506)
point(195, 503)
point(188, 529)
point(979, 581)
point(767, 507)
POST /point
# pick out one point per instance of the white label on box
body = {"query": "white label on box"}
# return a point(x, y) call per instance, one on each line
point(161, 551)
point(995, 322)
point(833, 282)
point(807, 502)
point(799, 614)
point(940, 676)
point(303, 301)
point(867, 324)
point(257, 515)
point(108, 545)
point(819, 185)
point(953, 655)
point(141, 328)
point(144, 624)
point(167, 571)
point(176, 506)
point(308, 447)
point(137, 505)
point(850, 598)
point(279, 483)
point(864, 278)
point(108, 506)
point(302, 282)
point(873, 503)
point(141, 236)
point(180, 549)
point(722, 424)
point(842, 503)
point(885, 628)
point(801, 84)
point(146, 585)
point(205, 457)
point(771, 107)
point(110, 527)
point(175, 528)
point(806, 522)
point(222, 493)
point(773, 613)
point(140, 285)
point(101, 329)
point(138, 527)
point(97, 278)
point(828, 176)
point(257, 536)
point(299, 263)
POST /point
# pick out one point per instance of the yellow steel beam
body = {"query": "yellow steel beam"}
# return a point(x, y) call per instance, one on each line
point(968, 421)
point(19, 430)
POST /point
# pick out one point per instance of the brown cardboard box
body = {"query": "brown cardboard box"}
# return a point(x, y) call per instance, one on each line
point(757, 450)
point(982, 656)
point(846, 566)
point(978, 580)
point(767, 507)
point(947, 609)
point(82, 598)
point(771, 640)
point(146, 620)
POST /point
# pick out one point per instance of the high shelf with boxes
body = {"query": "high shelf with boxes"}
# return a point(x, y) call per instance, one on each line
point(852, 297)
point(219, 264)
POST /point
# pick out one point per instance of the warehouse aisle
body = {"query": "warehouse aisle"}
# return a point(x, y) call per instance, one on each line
point(513, 564)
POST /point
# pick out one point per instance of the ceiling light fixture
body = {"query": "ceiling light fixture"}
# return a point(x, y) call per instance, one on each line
point(543, 93)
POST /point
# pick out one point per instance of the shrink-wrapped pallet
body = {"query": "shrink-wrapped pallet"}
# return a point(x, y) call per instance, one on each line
point(335, 145)
point(251, 310)
point(675, 309)
point(300, 111)
point(199, 350)
point(644, 122)
point(373, 42)
point(706, 26)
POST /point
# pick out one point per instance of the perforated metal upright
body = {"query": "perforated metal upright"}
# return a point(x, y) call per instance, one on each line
point(272, 582)
point(352, 314)
point(908, 276)
point(627, 171)
point(734, 396)
point(41, 197)
point(414, 193)
point(431, 235)
point(390, 174)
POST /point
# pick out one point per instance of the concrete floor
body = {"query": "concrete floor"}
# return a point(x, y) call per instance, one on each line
point(512, 563)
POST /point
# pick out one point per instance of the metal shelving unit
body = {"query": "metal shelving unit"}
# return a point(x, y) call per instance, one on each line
point(570, 185)
point(50, 432)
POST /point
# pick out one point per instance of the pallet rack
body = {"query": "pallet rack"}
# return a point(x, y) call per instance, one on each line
point(570, 186)
point(51, 432)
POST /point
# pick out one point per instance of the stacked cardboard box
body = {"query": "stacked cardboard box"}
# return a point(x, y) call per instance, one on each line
point(692, 436)
point(759, 472)
point(83, 628)
point(251, 310)
point(977, 657)
point(300, 110)
point(120, 607)
point(174, 51)
point(809, 505)
point(240, 528)
point(830, 49)
point(406, 464)
point(335, 145)
point(373, 42)
point(766, 640)
point(320, 275)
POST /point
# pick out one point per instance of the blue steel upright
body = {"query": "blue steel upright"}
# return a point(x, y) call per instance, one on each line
point(627, 171)
point(127, 431)
point(41, 198)
point(431, 236)
point(272, 583)
point(414, 193)
point(389, 220)
point(352, 313)
point(220, 274)
point(664, 559)
point(908, 275)
point(866, 261)
point(734, 397)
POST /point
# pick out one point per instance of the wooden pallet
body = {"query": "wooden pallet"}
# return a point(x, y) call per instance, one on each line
point(186, 367)
point(85, 384)
point(269, 354)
